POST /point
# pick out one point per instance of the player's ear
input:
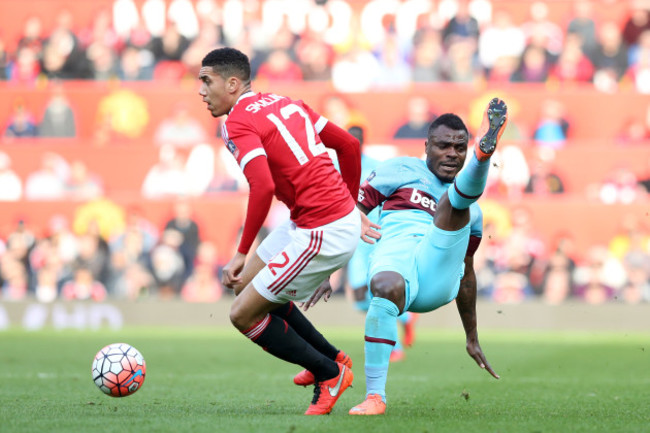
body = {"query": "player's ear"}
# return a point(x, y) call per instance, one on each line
point(232, 84)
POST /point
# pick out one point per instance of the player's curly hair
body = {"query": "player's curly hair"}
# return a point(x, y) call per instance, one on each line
point(229, 62)
point(449, 120)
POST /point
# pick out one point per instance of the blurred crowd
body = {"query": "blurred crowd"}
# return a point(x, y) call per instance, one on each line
point(110, 252)
point(107, 251)
point(380, 45)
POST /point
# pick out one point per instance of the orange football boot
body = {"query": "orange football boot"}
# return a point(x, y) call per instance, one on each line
point(306, 378)
point(492, 127)
point(328, 391)
point(373, 405)
point(397, 355)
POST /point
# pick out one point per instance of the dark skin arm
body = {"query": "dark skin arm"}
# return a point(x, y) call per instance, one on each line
point(466, 304)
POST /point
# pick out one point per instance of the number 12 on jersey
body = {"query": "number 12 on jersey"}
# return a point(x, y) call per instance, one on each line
point(314, 148)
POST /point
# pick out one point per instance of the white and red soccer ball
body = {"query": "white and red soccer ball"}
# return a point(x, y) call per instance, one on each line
point(119, 370)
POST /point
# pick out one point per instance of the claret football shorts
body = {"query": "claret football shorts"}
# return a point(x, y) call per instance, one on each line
point(298, 260)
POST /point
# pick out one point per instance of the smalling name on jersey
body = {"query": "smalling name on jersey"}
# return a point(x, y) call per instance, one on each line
point(263, 102)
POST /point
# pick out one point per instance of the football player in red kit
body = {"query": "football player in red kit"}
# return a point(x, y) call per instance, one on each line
point(279, 143)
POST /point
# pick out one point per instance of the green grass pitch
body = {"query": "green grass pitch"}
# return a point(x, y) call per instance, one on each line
point(214, 380)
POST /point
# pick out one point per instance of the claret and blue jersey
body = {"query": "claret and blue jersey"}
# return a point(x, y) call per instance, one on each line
point(410, 245)
point(407, 184)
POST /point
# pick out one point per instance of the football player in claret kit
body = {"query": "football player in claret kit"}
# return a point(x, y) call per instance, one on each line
point(279, 143)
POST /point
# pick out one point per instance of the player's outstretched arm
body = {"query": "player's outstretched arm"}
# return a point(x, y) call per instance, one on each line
point(368, 232)
point(466, 304)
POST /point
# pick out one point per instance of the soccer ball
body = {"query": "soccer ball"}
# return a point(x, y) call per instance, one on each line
point(118, 370)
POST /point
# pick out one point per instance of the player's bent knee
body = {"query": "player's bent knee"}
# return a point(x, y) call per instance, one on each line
point(238, 317)
point(389, 285)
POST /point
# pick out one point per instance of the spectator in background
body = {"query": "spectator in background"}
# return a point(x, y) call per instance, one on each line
point(11, 187)
point(609, 57)
point(502, 71)
point(543, 179)
point(21, 123)
point(81, 185)
point(24, 68)
point(103, 62)
point(500, 39)
point(418, 118)
point(428, 56)
point(461, 26)
point(94, 254)
point(552, 128)
point(572, 66)
point(183, 223)
point(4, 61)
point(167, 177)
point(582, 24)
point(279, 66)
point(58, 119)
point(129, 259)
point(639, 71)
point(542, 32)
point(600, 278)
point(557, 285)
point(462, 64)
point(315, 58)
point(48, 182)
point(83, 286)
point(63, 57)
point(209, 37)
point(32, 36)
point(203, 284)
point(13, 279)
point(14, 263)
point(180, 130)
point(47, 288)
point(533, 66)
point(511, 171)
point(340, 111)
point(135, 64)
point(394, 70)
point(170, 46)
point(355, 70)
point(167, 266)
point(637, 22)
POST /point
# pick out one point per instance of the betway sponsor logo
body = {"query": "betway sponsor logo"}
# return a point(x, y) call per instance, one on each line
point(418, 197)
point(411, 198)
point(263, 102)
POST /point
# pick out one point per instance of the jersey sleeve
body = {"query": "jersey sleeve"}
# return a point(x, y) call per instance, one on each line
point(380, 183)
point(242, 141)
point(476, 229)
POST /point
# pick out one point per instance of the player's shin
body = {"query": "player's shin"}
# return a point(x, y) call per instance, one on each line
point(381, 335)
point(303, 327)
point(279, 339)
point(469, 183)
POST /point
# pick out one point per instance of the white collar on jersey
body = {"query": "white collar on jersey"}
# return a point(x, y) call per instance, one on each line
point(242, 96)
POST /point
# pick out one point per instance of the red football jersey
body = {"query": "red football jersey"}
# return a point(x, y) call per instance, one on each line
point(286, 133)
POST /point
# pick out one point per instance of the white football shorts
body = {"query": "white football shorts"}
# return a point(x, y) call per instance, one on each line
point(298, 260)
